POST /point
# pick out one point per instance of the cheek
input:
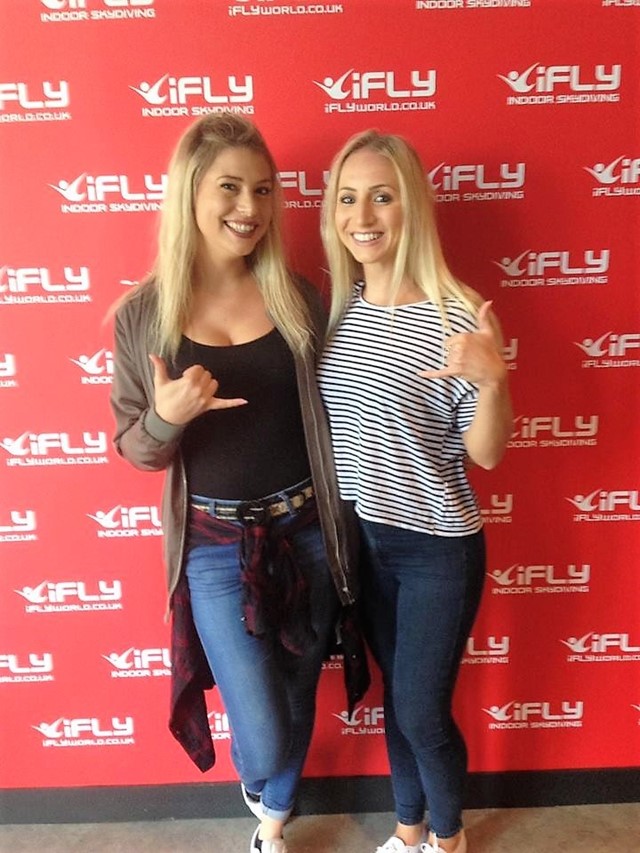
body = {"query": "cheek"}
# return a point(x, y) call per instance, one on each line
point(202, 215)
point(267, 214)
point(200, 224)
point(340, 222)
point(397, 223)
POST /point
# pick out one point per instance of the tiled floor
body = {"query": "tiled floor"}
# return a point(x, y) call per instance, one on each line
point(563, 829)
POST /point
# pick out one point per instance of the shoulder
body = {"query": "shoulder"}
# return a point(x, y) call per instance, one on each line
point(135, 318)
point(138, 305)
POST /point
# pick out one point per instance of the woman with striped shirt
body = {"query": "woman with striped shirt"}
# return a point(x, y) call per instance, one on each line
point(416, 388)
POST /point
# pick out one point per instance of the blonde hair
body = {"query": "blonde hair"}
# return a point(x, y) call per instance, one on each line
point(173, 270)
point(419, 256)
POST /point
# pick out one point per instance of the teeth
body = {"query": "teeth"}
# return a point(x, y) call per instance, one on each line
point(241, 228)
point(367, 237)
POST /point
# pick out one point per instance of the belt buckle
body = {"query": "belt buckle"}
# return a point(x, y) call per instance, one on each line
point(251, 512)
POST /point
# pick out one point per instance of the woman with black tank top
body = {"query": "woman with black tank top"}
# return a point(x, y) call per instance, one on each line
point(214, 381)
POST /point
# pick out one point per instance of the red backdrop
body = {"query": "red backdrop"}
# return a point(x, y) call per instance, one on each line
point(526, 115)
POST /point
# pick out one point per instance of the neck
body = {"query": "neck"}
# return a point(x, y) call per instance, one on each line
point(378, 290)
point(215, 274)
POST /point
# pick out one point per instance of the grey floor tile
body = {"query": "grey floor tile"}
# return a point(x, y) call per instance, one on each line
point(566, 829)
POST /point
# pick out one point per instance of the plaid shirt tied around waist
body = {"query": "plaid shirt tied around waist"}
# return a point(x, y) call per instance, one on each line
point(275, 599)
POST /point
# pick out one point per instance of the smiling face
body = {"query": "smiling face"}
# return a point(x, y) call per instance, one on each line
point(233, 205)
point(369, 217)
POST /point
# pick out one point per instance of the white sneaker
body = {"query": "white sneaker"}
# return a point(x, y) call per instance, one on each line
point(429, 848)
point(397, 845)
point(254, 805)
point(274, 845)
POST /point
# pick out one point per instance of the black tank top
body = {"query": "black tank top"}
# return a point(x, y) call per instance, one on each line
point(250, 451)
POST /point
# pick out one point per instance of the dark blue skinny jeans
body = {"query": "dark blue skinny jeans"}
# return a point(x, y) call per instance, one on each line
point(269, 693)
point(420, 597)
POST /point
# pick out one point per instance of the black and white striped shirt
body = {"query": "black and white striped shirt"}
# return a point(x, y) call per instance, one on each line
point(397, 436)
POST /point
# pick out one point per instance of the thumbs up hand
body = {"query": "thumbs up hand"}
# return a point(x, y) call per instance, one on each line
point(178, 401)
point(475, 356)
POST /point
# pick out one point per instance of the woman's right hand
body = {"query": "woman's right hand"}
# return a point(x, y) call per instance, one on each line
point(178, 401)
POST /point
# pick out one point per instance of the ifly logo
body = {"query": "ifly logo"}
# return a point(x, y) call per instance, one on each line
point(611, 344)
point(530, 263)
point(499, 510)
point(139, 663)
point(451, 178)
point(546, 714)
point(493, 651)
point(361, 716)
point(179, 91)
point(134, 658)
point(555, 431)
point(99, 188)
point(34, 448)
point(619, 177)
point(97, 368)
point(361, 85)
point(7, 367)
point(85, 731)
point(606, 506)
point(72, 596)
point(123, 521)
point(219, 725)
point(379, 91)
point(600, 643)
point(583, 425)
point(47, 95)
point(611, 350)
point(527, 579)
point(63, 591)
point(21, 527)
point(477, 181)
point(622, 169)
point(18, 280)
point(30, 667)
point(543, 79)
point(97, 364)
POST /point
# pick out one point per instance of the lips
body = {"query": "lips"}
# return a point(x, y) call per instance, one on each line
point(364, 237)
point(242, 229)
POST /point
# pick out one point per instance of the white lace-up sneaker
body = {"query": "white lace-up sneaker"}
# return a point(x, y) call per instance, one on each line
point(253, 802)
point(397, 845)
point(429, 848)
point(274, 845)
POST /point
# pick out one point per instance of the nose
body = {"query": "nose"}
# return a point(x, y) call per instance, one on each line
point(246, 202)
point(363, 213)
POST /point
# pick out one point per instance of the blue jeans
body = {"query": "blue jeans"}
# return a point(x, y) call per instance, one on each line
point(269, 693)
point(420, 597)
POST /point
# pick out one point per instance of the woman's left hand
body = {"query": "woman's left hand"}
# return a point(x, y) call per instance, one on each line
point(475, 356)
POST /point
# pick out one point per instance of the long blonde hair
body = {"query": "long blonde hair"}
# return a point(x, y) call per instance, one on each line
point(173, 270)
point(419, 256)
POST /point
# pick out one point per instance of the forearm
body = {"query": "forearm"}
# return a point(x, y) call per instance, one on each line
point(142, 437)
point(149, 444)
point(492, 426)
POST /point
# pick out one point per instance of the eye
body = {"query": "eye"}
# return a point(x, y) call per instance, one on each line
point(382, 198)
point(227, 185)
point(346, 198)
point(264, 191)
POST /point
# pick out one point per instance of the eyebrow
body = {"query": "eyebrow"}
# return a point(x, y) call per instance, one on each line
point(374, 187)
point(236, 178)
